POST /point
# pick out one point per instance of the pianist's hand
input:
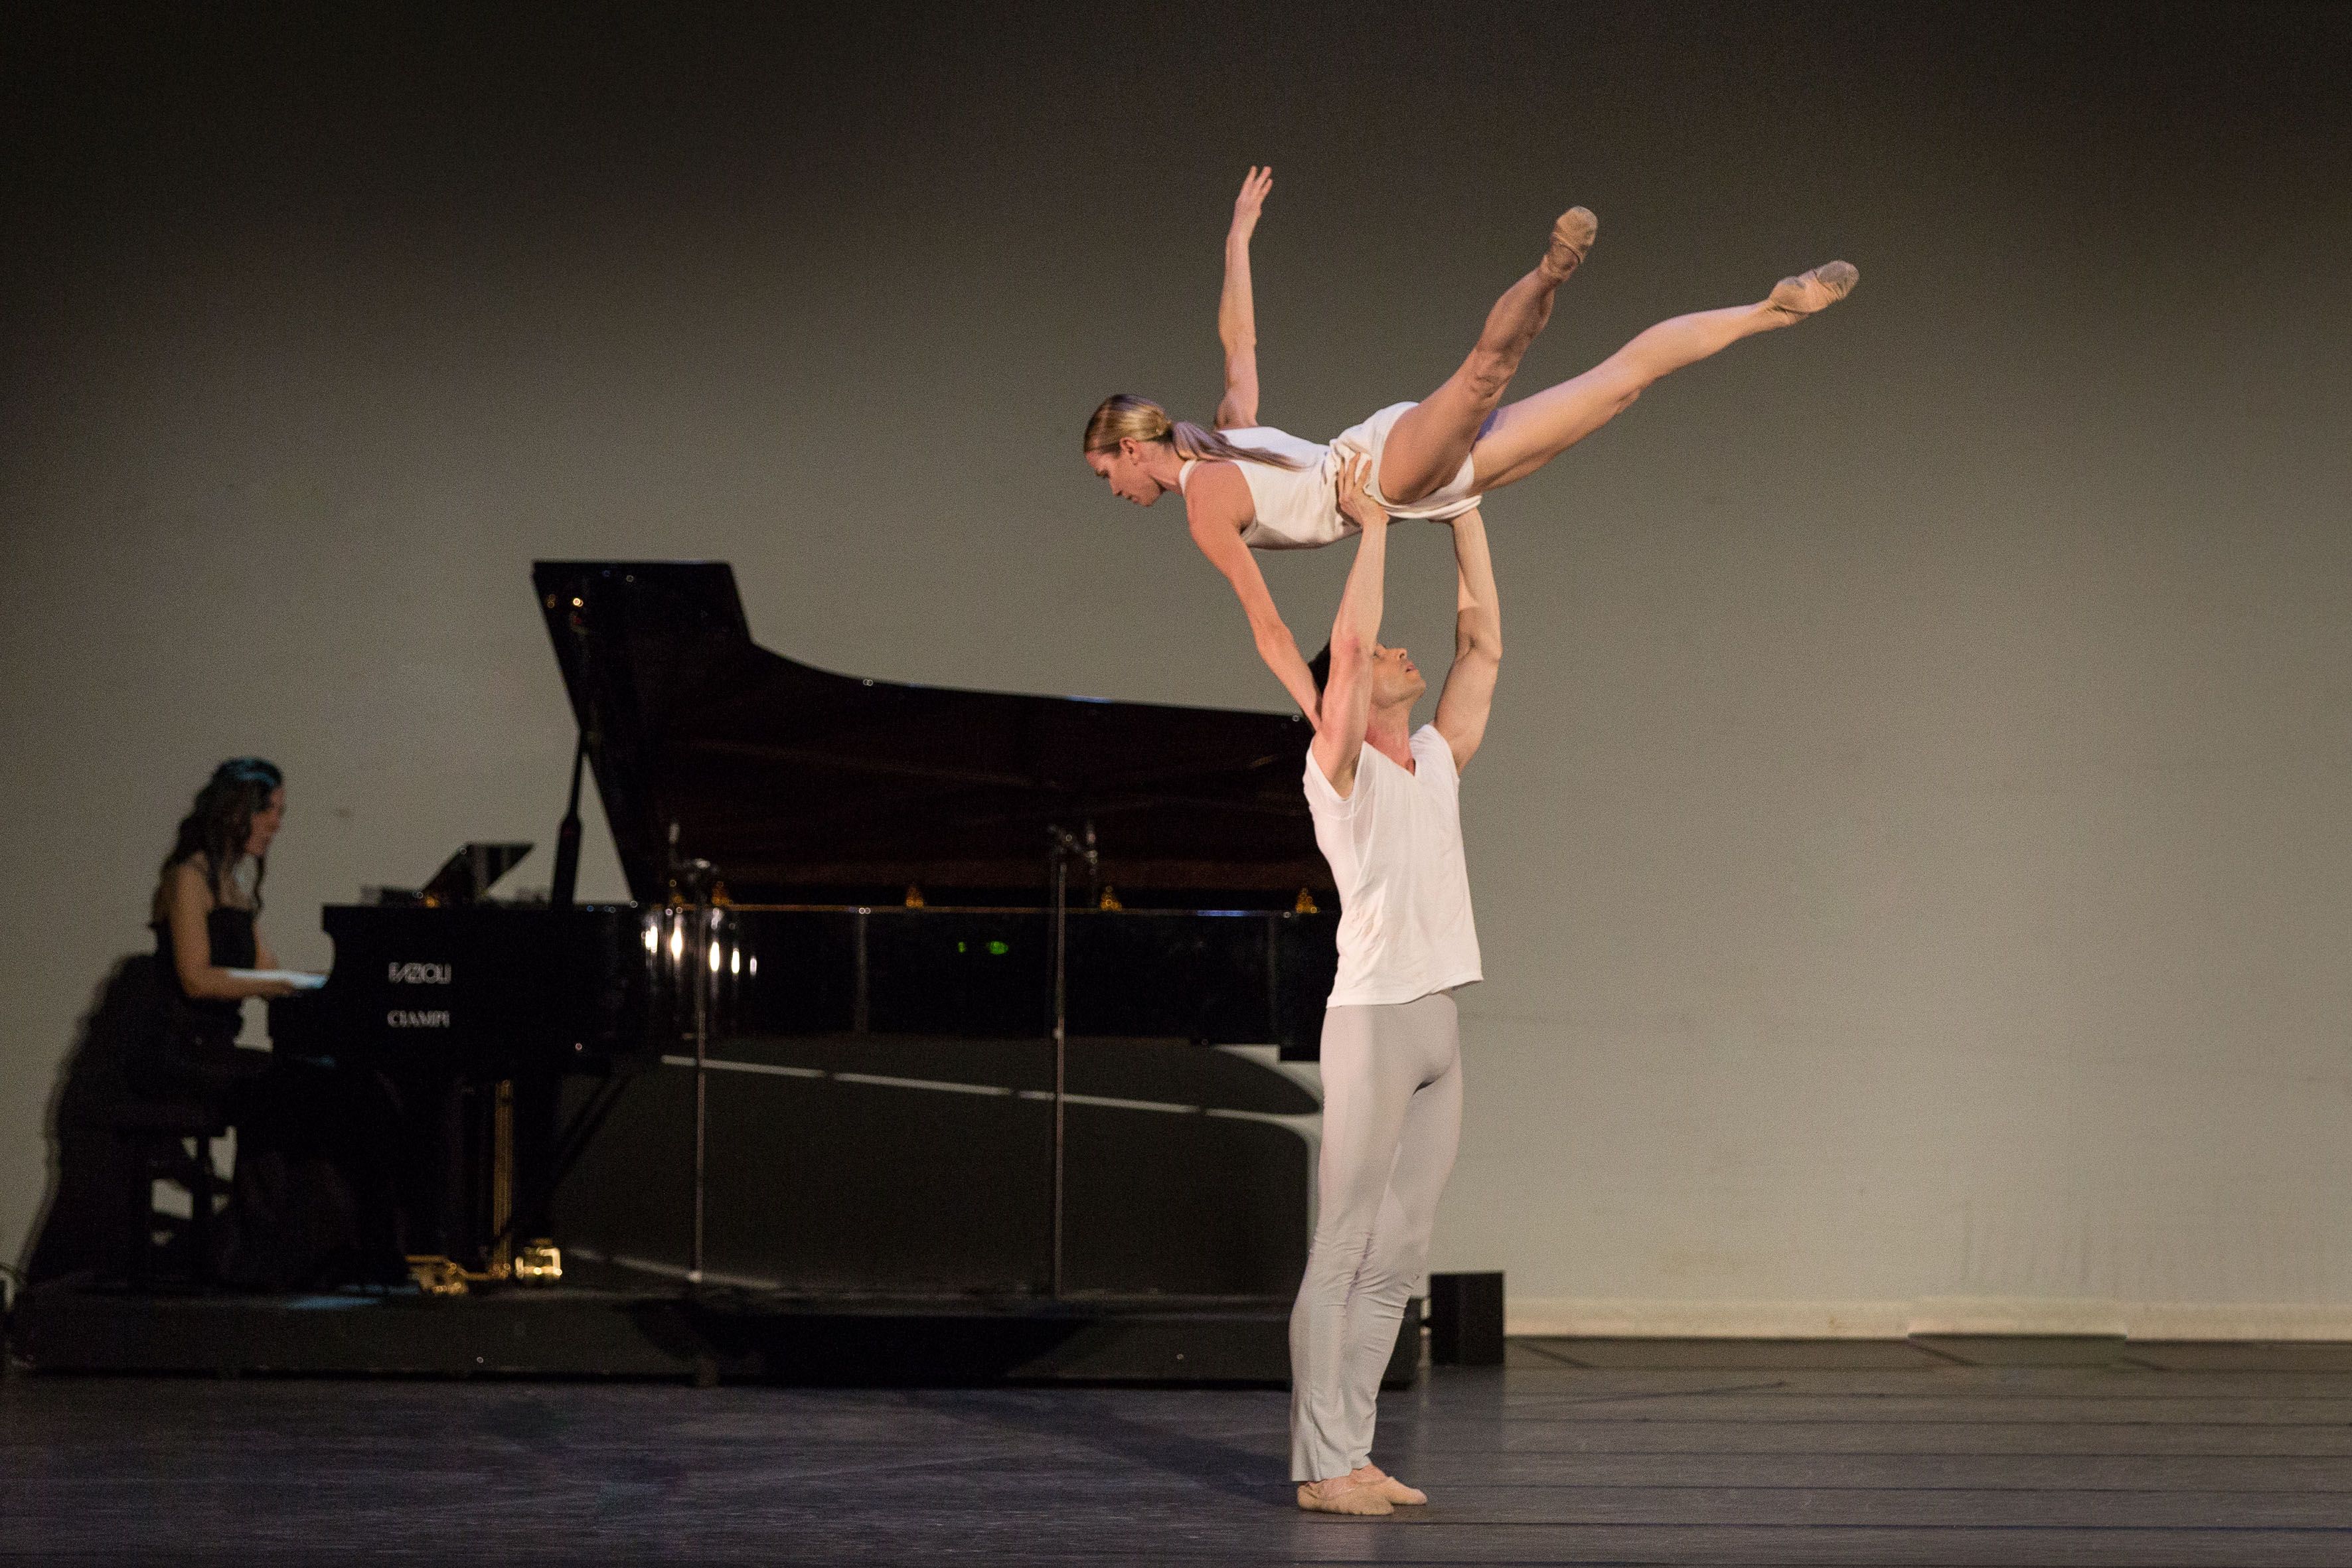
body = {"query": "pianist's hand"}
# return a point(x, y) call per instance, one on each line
point(274, 988)
point(1356, 503)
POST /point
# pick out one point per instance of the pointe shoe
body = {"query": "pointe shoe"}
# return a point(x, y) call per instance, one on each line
point(1816, 291)
point(1571, 237)
point(1362, 1501)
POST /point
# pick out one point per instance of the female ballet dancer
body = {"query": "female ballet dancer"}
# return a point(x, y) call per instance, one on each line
point(1247, 486)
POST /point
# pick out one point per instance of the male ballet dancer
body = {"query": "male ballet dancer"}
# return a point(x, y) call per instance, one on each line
point(1387, 814)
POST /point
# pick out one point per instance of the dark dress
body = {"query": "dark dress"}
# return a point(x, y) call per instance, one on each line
point(302, 1130)
point(196, 1055)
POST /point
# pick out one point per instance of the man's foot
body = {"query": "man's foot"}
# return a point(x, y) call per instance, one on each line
point(1378, 1480)
point(1816, 291)
point(1341, 1495)
point(1572, 235)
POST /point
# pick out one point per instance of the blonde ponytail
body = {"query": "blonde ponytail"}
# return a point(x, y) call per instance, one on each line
point(1124, 415)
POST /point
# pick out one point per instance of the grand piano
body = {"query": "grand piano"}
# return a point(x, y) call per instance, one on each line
point(918, 989)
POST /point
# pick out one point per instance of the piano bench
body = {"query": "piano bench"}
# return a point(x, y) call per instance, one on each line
point(152, 1134)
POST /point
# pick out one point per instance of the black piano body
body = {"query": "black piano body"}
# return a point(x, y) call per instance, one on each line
point(843, 899)
point(471, 1013)
point(1208, 976)
point(503, 988)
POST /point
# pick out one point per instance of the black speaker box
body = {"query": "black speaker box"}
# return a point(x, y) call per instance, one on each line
point(1466, 1320)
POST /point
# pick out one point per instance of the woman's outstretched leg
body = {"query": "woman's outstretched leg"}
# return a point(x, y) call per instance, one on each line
point(1531, 432)
point(1428, 444)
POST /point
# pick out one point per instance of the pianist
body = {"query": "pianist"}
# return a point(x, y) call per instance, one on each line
point(308, 1127)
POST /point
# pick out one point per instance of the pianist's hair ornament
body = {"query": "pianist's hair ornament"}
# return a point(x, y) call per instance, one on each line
point(219, 824)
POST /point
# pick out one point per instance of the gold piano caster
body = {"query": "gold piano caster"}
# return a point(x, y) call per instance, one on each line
point(438, 1275)
point(540, 1262)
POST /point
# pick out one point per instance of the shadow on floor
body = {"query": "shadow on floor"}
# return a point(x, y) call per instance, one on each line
point(1252, 1474)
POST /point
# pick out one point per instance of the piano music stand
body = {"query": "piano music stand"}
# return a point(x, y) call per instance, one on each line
point(469, 874)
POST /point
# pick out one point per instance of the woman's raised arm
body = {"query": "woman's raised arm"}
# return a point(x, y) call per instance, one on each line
point(1236, 311)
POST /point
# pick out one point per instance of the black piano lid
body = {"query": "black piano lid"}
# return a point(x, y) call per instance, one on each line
point(801, 785)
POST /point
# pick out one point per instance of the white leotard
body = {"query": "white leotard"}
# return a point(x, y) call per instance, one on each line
point(1299, 508)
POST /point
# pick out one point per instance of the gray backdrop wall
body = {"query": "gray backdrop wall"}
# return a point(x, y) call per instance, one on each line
point(1911, 854)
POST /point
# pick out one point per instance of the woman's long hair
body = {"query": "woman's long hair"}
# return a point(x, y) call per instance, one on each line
point(1123, 414)
point(218, 826)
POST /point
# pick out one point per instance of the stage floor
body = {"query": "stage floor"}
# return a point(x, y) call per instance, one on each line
point(1949, 1452)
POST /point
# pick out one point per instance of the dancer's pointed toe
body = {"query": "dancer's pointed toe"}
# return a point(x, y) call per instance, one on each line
point(1816, 291)
point(1572, 233)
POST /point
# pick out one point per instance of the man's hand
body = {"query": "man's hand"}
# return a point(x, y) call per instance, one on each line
point(1356, 503)
point(1252, 201)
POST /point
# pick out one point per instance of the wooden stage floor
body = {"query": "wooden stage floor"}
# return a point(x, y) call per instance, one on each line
point(1946, 1452)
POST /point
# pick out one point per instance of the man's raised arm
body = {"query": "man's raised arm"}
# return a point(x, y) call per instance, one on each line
point(1469, 694)
point(1347, 703)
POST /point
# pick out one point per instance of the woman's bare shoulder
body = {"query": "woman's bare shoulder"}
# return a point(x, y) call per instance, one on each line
point(1218, 494)
point(186, 879)
point(182, 886)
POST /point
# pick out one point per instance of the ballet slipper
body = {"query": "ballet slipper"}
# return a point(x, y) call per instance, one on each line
point(1816, 291)
point(1375, 1479)
point(1571, 237)
point(1353, 1499)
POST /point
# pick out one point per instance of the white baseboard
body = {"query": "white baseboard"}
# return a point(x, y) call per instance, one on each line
point(1706, 1319)
point(1933, 1315)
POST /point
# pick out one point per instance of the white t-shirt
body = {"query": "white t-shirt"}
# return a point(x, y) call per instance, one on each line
point(1395, 848)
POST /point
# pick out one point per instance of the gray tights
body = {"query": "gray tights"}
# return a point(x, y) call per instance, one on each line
point(1392, 1116)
